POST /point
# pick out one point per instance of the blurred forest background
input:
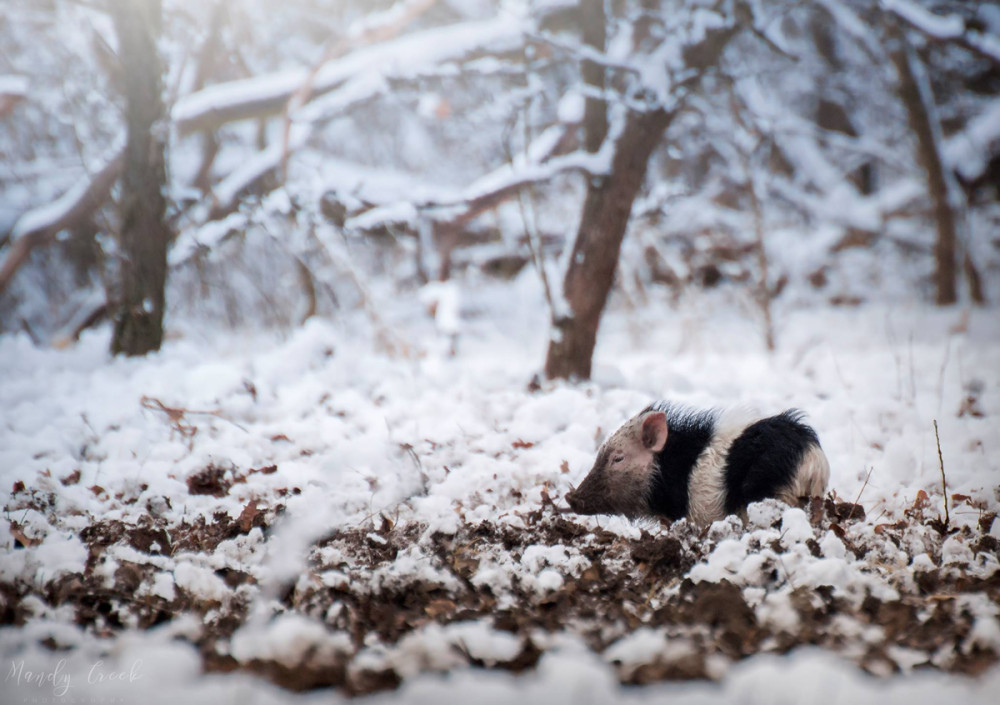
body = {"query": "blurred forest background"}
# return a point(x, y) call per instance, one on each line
point(258, 163)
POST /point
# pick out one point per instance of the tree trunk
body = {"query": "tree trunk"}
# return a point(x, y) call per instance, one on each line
point(138, 316)
point(595, 115)
point(915, 95)
point(594, 258)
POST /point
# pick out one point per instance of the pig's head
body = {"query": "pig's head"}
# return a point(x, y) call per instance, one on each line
point(620, 481)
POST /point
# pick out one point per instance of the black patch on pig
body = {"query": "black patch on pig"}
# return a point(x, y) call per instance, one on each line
point(763, 460)
point(688, 434)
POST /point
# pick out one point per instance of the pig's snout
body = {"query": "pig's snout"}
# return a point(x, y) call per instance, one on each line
point(581, 500)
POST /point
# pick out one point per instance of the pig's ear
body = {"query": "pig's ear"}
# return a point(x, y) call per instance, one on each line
point(654, 431)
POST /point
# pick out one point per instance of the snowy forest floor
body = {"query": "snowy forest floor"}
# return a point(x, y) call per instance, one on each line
point(316, 513)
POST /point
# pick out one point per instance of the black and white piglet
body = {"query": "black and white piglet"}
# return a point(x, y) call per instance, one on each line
point(675, 462)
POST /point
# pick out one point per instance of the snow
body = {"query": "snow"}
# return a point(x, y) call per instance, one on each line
point(944, 27)
point(795, 526)
point(49, 215)
point(571, 108)
point(291, 639)
point(169, 671)
point(434, 647)
point(352, 409)
point(937, 26)
point(444, 298)
point(56, 555)
point(504, 178)
point(226, 95)
point(163, 586)
point(201, 582)
point(13, 85)
point(400, 57)
point(969, 151)
point(641, 646)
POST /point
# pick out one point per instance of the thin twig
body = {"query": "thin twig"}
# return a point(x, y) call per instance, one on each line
point(944, 483)
point(858, 498)
point(176, 415)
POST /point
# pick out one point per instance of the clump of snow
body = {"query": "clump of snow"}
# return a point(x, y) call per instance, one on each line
point(291, 639)
point(765, 514)
point(437, 648)
point(571, 107)
point(163, 586)
point(201, 582)
point(832, 546)
point(56, 555)
point(13, 85)
point(795, 526)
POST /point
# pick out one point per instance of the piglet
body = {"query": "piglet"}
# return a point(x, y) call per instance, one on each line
point(674, 462)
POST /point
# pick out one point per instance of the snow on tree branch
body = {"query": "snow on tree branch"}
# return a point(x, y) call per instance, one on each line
point(860, 30)
point(582, 52)
point(969, 151)
point(39, 224)
point(459, 206)
point(267, 95)
point(13, 89)
point(948, 28)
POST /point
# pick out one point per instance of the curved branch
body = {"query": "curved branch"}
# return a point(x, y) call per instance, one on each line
point(39, 225)
point(946, 28)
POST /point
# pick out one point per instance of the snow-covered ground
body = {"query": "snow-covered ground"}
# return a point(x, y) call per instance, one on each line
point(293, 443)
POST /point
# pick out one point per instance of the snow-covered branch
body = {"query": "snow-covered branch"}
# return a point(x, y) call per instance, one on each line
point(13, 89)
point(848, 20)
point(267, 95)
point(488, 191)
point(39, 224)
point(583, 52)
point(945, 28)
point(970, 150)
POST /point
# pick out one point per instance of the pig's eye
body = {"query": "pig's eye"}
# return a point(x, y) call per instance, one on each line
point(617, 459)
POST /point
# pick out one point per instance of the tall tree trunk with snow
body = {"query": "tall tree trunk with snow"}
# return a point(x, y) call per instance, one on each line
point(595, 35)
point(138, 316)
point(607, 207)
point(569, 353)
point(592, 263)
point(915, 94)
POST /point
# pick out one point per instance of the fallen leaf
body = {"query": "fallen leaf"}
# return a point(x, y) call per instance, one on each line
point(436, 608)
point(519, 444)
point(72, 478)
point(250, 516)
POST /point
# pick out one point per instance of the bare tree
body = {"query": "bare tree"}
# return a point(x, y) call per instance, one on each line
point(144, 235)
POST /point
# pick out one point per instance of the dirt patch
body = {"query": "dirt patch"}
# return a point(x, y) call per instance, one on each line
point(211, 480)
point(388, 584)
